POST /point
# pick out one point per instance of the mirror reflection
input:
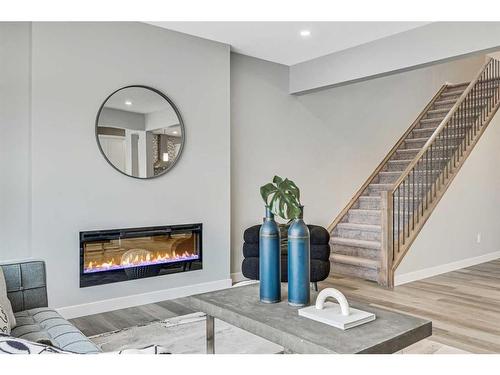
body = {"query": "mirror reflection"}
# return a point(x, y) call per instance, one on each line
point(140, 132)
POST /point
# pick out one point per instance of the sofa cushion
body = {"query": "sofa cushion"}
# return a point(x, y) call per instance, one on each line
point(321, 252)
point(5, 302)
point(26, 284)
point(319, 235)
point(319, 271)
point(251, 235)
point(46, 325)
point(250, 250)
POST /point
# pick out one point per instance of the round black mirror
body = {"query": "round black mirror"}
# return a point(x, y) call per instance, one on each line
point(140, 132)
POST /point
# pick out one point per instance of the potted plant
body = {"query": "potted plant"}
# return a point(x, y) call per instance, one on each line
point(282, 196)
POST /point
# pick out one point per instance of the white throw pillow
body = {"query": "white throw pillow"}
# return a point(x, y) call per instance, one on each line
point(4, 301)
point(4, 322)
point(13, 345)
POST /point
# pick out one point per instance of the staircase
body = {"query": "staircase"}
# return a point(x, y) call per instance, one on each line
point(372, 234)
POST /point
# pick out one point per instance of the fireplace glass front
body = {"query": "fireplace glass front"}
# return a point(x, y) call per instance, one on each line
point(109, 256)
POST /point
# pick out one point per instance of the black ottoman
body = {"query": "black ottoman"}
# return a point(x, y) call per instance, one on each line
point(320, 255)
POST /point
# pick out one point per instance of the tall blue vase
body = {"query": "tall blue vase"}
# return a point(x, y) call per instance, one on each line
point(298, 262)
point(269, 260)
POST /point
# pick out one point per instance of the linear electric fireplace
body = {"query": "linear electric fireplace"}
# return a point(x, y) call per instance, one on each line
point(109, 256)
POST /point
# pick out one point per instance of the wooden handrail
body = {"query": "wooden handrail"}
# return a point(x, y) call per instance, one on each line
point(440, 128)
point(385, 160)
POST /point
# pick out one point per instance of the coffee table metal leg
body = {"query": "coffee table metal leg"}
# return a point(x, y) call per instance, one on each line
point(210, 335)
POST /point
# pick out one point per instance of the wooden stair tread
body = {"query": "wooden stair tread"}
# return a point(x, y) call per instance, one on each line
point(355, 261)
point(375, 245)
point(363, 227)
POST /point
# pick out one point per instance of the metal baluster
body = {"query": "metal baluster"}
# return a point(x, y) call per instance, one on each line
point(426, 178)
point(483, 101)
point(421, 200)
point(394, 249)
point(455, 121)
point(399, 213)
point(446, 150)
point(404, 209)
point(413, 201)
point(442, 158)
point(432, 174)
point(408, 207)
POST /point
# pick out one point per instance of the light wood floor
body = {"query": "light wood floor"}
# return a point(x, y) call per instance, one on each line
point(464, 307)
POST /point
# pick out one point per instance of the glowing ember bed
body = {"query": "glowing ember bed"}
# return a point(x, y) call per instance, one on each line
point(108, 256)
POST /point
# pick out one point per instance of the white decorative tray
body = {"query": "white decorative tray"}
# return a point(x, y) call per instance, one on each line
point(338, 315)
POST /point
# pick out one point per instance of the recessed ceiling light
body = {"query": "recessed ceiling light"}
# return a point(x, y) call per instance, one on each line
point(128, 102)
point(175, 132)
point(305, 33)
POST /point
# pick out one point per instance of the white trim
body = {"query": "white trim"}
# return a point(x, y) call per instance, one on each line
point(448, 267)
point(237, 277)
point(97, 307)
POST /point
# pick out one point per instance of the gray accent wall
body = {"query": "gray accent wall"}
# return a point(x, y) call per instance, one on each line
point(74, 68)
point(15, 140)
point(330, 141)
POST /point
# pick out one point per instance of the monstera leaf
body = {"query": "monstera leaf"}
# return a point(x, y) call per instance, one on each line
point(282, 197)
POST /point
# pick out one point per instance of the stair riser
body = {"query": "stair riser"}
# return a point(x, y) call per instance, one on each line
point(427, 132)
point(356, 251)
point(484, 97)
point(399, 167)
point(449, 96)
point(443, 106)
point(348, 270)
point(428, 125)
point(440, 114)
point(416, 143)
point(419, 177)
point(409, 155)
point(364, 218)
point(375, 192)
point(449, 106)
point(369, 204)
point(434, 122)
point(358, 234)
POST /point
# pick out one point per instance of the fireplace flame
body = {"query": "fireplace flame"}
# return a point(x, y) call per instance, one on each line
point(139, 257)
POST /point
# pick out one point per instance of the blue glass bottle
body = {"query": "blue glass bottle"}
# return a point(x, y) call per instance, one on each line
point(269, 260)
point(298, 262)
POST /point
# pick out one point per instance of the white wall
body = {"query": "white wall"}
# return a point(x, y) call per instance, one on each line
point(15, 138)
point(330, 141)
point(429, 44)
point(75, 67)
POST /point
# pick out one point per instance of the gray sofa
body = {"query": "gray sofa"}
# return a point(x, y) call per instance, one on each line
point(27, 292)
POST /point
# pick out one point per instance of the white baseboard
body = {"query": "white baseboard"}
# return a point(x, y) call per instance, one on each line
point(448, 267)
point(237, 277)
point(97, 307)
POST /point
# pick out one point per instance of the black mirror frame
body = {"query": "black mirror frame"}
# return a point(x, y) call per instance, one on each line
point(181, 123)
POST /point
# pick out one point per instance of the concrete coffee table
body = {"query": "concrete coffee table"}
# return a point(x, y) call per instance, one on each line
point(281, 324)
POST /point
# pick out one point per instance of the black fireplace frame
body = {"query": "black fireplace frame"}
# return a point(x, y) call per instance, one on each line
point(113, 276)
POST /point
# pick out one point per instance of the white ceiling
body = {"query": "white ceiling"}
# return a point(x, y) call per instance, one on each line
point(281, 42)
